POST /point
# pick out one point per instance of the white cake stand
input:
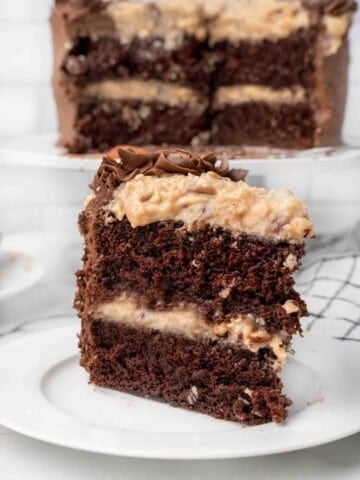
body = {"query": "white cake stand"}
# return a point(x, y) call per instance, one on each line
point(41, 151)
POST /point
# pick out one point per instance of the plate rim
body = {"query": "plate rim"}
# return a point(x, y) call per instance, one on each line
point(141, 452)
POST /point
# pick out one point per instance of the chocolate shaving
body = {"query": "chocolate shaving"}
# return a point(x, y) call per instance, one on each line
point(124, 162)
point(74, 10)
point(339, 7)
point(332, 7)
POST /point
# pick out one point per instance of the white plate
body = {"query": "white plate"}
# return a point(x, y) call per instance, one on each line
point(18, 272)
point(41, 151)
point(44, 394)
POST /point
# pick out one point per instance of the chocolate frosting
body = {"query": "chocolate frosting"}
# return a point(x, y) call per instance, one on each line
point(124, 162)
point(76, 8)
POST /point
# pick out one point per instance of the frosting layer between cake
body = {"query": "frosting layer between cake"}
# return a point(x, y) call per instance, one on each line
point(170, 19)
point(147, 91)
point(256, 93)
point(188, 321)
point(255, 19)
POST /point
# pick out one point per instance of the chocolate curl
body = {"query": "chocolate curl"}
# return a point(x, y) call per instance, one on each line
point(131, 158)
point(176, 161)
point(124, 162)
point(238, 174)
point(339, 7)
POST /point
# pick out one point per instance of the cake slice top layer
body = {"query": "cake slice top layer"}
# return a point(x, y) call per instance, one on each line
point(177, 185)
point(215, 20)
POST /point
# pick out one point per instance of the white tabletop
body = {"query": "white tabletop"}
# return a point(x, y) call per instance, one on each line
point(22, 458)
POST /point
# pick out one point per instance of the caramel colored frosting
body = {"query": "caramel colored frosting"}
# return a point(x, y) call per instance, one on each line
point(174, 184)
point(212, 200)
point(146, 91)
point(255, 19)
point(236, 94)
point(238, 20)
point(170, 19)
point(186, 320)
point(336, 28)
point(216, 20)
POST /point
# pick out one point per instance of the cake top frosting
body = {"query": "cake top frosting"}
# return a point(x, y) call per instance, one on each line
point(147, 186)
point(333, 7)
point(124, 162)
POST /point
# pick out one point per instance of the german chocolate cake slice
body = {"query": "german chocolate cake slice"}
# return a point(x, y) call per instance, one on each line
point(186, 294)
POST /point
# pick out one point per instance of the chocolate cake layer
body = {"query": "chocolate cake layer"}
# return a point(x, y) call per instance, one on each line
point(164, 265)
point(260, 123)
point(102, 122)
point(106, 58)
point(222, 380)
point(274, 63)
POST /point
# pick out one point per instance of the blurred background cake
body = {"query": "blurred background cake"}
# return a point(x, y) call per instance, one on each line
point(231, 72)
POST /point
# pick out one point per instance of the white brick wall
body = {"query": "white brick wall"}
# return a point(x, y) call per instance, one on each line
point(26, 102)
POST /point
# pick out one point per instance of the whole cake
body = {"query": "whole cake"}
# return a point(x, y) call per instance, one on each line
point(186, 292)
point(230, 72)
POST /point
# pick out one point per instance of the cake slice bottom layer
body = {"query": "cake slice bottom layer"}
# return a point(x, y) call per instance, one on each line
point(218, 378)
point(103, 123)
point(261, 123)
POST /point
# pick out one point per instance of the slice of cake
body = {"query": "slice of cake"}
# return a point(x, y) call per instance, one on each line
point(130, 71)
point(281, 71)
point(230, 72)
point(186, 294)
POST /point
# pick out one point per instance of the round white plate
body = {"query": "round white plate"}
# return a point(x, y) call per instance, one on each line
point(41, 151)
point(18, 272)
point(44, 394)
